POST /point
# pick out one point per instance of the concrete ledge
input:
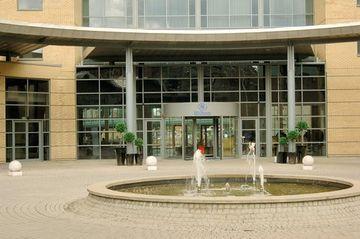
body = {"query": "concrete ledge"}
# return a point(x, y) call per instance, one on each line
point(101, 190)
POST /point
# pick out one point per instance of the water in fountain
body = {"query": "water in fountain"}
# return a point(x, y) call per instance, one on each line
point(261, 174)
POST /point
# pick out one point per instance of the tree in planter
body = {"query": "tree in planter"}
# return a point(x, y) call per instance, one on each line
point(121, 127)
point(129, 138)
point(302, 127)
point(139, 145)
point(292, 136)
point(121, 150)
point(282, 154)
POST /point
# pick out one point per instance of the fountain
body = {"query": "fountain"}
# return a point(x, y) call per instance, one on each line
point(200, 171)
point(261, 175)
point(226, 194)
point(252, 162)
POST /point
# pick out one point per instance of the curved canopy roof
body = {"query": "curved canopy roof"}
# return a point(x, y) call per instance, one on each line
point(20, 37)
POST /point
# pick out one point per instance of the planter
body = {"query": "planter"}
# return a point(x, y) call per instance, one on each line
point(120, 155)
point(130, 148)
point(300, 152)
point(281, 157)
point(292, 158)
point(134, 159)
point(139, 158)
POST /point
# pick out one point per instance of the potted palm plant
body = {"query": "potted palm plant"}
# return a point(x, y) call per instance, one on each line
point(282, 154)
point(121, 150)
point(302, 127)
point(292, 136)
point(139, 145)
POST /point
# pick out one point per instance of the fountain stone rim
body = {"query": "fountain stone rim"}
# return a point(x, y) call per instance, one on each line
point(103, 190)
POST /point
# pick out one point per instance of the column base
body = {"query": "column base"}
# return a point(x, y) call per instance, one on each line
point(15, 174)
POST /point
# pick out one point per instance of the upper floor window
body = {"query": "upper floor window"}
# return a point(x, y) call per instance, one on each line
point(30, 5)
point(35, 55)
point(358, 3)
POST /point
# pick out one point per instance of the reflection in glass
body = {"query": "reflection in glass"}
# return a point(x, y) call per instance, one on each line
point(16, 98)
point(89, 152)
point(116, 85)
point(87, 73)
point(229, 136)
point(225, 97)
point(87, 86)
point(173, 137)
point(34, 153)
point(88, 112)
point(15, 112)
point(176, 85)
point(88, 99)
point(20, 153)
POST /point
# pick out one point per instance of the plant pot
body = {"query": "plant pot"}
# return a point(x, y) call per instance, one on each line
point(281, 157)
point(300, 152)
point(120, 155)
point(132, 159)
point(292, 158)
point(130, 148)
point(139, 158)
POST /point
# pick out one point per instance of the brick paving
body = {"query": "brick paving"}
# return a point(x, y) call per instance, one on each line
point(50, 201)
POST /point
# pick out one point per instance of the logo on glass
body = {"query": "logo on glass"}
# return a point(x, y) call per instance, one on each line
point(202, 107)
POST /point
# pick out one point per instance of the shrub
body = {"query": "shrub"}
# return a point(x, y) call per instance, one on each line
point(139, 142)
point(120, 127)
point(283, 141)
point(129, 137)
point(293, 135)
point(302, 126)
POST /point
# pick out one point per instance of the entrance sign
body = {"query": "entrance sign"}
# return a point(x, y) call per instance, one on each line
point(202, 110)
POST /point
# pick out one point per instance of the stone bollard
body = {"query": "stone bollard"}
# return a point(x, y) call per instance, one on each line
point(15, 168)
point(308, 162)
point(151, 163)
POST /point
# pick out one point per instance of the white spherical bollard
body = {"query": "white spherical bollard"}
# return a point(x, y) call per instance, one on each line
point(308, 162)
point(151, 163)
point(15, 168)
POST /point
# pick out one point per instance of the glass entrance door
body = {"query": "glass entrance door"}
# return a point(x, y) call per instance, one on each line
point(202, 132)
point(250, 134)
point(27, 140)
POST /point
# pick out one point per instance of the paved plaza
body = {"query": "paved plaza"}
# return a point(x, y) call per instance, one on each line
point(36, 204)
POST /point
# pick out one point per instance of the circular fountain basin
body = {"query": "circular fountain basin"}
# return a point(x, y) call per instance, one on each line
point(279, 188)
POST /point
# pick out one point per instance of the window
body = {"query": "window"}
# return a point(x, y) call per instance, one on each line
point(33, 56)
point(30, 5)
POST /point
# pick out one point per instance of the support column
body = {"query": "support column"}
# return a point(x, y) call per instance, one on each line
point(197, 14)
point(130, 93)
point(269, 129)
point(291, 91)
point(200, 81)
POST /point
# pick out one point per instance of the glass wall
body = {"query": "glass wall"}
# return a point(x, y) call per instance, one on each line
point(310, 104)
point(229, 14)
point(282, 13)
point(181, 14)
point(101, 103)
point(162, 14)
point(27, 119)
point(107, 13)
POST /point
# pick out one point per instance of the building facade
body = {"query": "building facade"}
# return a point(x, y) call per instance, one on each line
point(62, 102)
